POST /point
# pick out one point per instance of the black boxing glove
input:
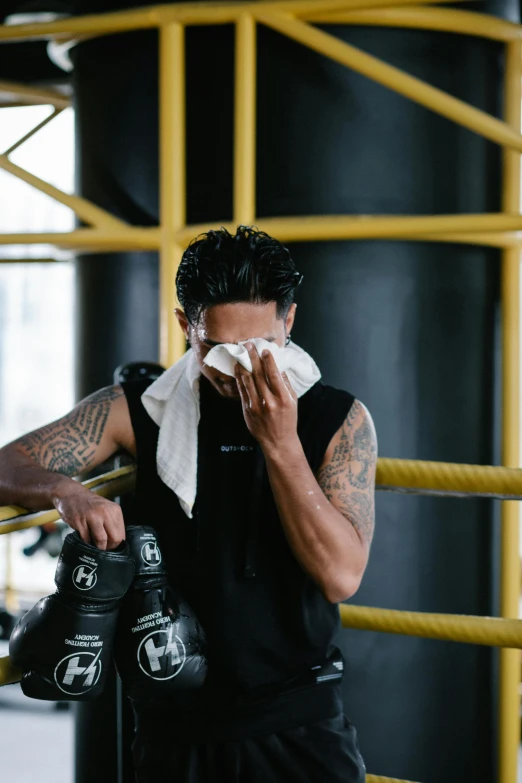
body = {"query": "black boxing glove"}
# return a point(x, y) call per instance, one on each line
point(63, 645)
point(160, 645)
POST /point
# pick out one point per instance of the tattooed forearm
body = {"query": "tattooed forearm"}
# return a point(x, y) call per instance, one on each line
point(358, 508)
point(348, 478)
point(68, 446)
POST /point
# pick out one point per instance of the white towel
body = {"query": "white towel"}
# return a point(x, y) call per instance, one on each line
point(172, 402)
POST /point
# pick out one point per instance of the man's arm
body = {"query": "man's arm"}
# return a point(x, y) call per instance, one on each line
point(36, 469)
point(328, 521)
point(347, 475)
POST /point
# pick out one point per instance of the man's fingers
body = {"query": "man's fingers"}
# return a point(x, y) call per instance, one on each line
point(114, 538)
point(258, 373)
point(241, 389)
point(98, 534)
point(82, 530)
point(97, 520)
point(108, 529)
point(246, 386)
point(273, 374)
point(115, 530)
point(289, 386)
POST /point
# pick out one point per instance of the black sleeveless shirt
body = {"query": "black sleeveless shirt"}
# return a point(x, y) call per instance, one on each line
point(265, 619)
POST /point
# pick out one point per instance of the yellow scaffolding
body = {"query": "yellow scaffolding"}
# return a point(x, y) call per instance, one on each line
point(295, 18)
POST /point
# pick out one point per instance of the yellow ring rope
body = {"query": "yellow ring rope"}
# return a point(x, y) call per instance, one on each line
point(449, 477)
point(400, 475)
point(380, 779)
point(8, 672)
point(492, 631)
point(116, 482)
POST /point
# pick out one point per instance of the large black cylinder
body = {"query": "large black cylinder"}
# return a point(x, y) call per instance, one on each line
point(409, 327)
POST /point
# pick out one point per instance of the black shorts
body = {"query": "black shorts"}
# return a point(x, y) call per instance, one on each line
point(324, 751)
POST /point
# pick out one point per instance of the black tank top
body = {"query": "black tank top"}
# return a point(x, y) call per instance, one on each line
point(266, 620)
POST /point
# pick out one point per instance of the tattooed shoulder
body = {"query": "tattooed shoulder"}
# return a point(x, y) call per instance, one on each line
point(347, 477)
point(69, 445)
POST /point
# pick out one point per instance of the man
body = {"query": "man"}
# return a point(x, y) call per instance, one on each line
point(271, 544)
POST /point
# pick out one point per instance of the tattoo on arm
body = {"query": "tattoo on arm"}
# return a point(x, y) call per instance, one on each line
point(348, 479)
point(69, 445)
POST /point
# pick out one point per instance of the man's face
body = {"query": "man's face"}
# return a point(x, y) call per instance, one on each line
point(233, 323)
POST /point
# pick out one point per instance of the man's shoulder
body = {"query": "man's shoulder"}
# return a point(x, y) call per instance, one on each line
point(322, 411)
point(324, 394)
point(134, 388)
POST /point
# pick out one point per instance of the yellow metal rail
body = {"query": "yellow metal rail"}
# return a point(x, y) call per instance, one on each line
point(85, 209)
point(497, 230)
point(32, 132)
point(449, 20)
point(210, 13)
point(315, 228)
point(509, 702)
point(395, 79)
point(23, 94)
point(245, 122)
point(172, 183)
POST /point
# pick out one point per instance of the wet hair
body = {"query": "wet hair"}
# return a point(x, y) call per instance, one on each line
point(248, 266)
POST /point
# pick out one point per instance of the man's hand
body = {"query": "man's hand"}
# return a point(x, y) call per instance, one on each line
point(36, 470)
point(97, 520)
point(269, 401)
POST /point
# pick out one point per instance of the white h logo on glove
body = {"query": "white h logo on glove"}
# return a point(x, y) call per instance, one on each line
point(150, 553)
point(71, 667)
point(84, 577)
point(155, 653)
point(164, 661)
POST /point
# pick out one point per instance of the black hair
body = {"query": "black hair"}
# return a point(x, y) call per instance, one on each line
point(249, 266)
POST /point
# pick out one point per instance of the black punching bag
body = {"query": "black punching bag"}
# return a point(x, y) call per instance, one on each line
point(407, 327)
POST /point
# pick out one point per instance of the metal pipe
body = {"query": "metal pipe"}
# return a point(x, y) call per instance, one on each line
point(85, 209)
point(509, 697)
point(450, 20)
point(495, 231)
point(245, 122)
point(492, 239)
point(172, 184)
point(395, 79)
point(330, 227)
point(28, 260)
point(28, 95)
point(91, 240)
point(224, 13)
point(32, 132)
point(183, 13)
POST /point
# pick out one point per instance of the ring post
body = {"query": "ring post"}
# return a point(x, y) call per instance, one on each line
point(509, 697)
